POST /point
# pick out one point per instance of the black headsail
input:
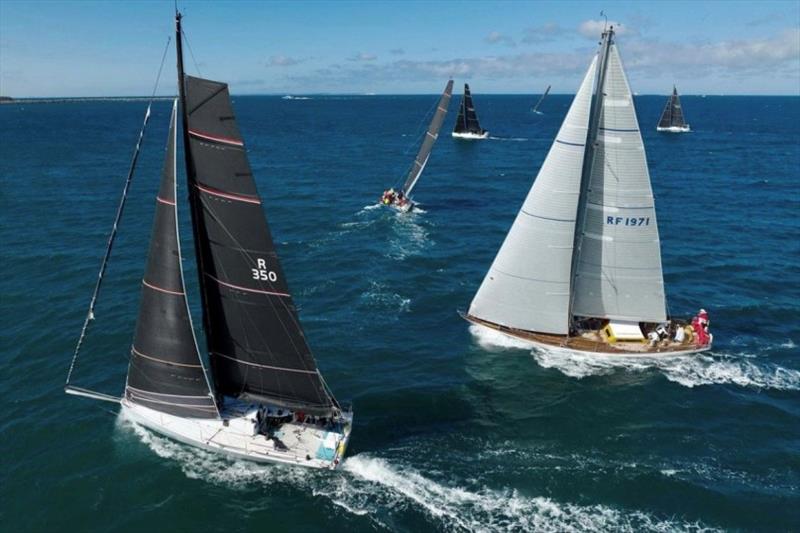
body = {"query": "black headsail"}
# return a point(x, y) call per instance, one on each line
point(165, 371)
point(673, 112)
point(430, 137)
point(467, 120)
point(256, 345)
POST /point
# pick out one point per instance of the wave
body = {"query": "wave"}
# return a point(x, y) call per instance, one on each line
point(384, 491)
point(381, 295)
point(687, 370)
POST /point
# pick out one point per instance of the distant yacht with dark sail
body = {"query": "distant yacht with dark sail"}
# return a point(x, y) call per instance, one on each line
point(266, 400)
point(580, 268)
point(672, 118)
point(535, 109)
point(467, 125)
point(401, 199)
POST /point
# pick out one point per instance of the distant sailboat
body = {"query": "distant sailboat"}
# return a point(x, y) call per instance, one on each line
point(467, 125)
point(269, 402)
point(672, 117)
point(580, 268)
point(535, 108)
point(402, 199)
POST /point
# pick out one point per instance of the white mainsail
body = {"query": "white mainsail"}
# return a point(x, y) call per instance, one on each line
point(618, 264)
point(528, 284)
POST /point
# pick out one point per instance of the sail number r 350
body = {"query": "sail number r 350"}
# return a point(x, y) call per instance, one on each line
point(261, 273)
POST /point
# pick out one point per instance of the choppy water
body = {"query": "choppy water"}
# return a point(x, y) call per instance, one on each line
point(455, 429)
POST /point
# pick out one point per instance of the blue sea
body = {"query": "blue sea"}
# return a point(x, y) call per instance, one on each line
point(455, 429)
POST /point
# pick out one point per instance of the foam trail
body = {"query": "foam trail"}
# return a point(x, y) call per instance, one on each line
point(516, 139)
point(687, 370)
point(460, 509)
point(491, 339)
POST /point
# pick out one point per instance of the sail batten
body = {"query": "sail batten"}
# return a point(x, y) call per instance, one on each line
point(430, 138)
point(255, 341)
point(528, 285)
point(164, 362)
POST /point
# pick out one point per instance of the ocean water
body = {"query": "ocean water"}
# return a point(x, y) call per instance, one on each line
point(455, 429)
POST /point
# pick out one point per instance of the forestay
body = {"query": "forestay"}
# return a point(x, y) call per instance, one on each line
point(618, 265)
point(430, 138)
point(528, 284)
point(256, 344)
point(165, 372)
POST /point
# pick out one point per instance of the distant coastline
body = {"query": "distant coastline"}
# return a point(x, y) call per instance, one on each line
point(9, 100)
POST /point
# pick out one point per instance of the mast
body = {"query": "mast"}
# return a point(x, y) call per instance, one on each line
point(430, 138)
point(189, 166)
point(588, 159)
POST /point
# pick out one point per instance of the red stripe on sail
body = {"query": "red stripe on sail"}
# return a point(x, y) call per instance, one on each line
point(215, 138)
point(232, 286)
point(155, 288)
point(229, 196)
point(164, 201)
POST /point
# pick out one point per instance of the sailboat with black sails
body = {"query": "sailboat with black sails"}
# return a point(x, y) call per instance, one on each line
point(401, 199)
point(268, 401)
point(467, 125)
point(580, 268)
point(672, 120)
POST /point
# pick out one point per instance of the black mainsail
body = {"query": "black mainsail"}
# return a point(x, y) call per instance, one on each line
point(467, 120)
point(165, 371)
point(256, 345)
point(672, 117)
point(430, 138)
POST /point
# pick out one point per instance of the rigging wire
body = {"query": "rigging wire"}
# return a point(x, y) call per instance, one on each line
point(191, 53)
point(117, 219)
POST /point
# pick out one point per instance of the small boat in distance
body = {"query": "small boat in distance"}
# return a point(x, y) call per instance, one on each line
point(535, 109)
point(580, 268)
point(269, 402)
point(467, 125)
point(402, 199)
point(672, 118)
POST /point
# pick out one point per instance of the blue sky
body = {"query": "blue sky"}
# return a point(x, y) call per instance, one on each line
point(83, 48)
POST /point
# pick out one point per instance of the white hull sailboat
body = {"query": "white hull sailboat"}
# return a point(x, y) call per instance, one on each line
point(401, 200)
point(467, 125)
point(672, 120)
point(580, 268)
point(268, 401)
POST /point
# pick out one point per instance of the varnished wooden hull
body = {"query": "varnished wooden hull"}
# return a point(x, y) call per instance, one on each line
point(585, 345)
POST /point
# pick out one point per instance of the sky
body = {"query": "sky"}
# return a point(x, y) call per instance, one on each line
point(93, 48)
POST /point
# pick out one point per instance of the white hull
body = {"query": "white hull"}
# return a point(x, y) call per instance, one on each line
point(675, 129)
point(308, 445)
point(471, 136)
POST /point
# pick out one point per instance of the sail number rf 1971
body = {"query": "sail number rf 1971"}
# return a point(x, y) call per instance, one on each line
point(628, 221)
point(261, 273)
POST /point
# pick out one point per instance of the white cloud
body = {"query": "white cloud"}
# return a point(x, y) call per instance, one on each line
point(592, 29)
point(498, 38)
point(362, 56)
point(542, 33)
point(283, 61)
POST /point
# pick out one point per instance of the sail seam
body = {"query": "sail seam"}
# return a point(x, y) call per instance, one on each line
point(186, 405)
point(526, 278)
point(156, 288)
point(547, 218)
point(231, 285)
point(215, 138)
point(283, 369)
point(157, 360)
point(570, 144)
point(142, 391)
point(230, 196)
